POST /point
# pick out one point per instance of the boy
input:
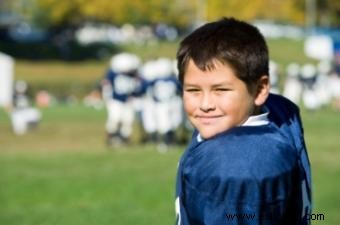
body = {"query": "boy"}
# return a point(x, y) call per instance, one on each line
point(247, 162)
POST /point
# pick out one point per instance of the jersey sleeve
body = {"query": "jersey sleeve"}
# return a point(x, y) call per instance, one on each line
point(239, 201)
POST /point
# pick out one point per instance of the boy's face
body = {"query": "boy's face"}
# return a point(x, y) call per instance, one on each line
point(216, 100)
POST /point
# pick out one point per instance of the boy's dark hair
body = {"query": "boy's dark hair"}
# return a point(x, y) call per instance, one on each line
point(230, 41)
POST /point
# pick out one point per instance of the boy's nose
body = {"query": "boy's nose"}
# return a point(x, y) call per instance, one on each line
point(207, 103)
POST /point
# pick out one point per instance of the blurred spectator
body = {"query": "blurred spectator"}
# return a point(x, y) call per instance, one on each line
point(23, 116)
point(166, 32)
point(43, 99)
point(94, 99)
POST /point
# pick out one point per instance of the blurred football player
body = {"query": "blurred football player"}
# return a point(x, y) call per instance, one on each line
point(309, 95)
point(322, 84)
point(293, 87)
point(274, 77)
point(162, 108)
point(120, 85)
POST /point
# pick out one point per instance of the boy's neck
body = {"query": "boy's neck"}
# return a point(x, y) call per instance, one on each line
point(258, 110)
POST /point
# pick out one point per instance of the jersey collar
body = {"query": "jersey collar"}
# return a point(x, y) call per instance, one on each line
point(258, 120)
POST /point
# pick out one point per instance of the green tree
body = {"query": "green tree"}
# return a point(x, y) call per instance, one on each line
point(290, 11)
point(179, 12)
point(58, 12)
point(328, 12)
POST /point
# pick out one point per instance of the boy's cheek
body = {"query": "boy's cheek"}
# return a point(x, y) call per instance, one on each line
point(189, 105)
point(188, 109)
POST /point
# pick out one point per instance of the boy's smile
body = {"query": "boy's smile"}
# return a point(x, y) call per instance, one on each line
point(216, 100)
point(205, 119)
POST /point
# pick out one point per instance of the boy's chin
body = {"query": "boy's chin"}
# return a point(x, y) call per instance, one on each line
point(208, 134)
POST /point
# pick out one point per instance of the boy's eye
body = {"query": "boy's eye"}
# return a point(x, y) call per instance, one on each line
point(221, 89)
point(192, 90)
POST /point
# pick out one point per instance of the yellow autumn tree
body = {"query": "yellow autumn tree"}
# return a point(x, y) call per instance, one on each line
point(282, 11)
point(179, 12)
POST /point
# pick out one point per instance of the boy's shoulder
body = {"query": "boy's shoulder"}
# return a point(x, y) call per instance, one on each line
point(243, 152)
point(282, 110)
point(285, 115)
point(248, 157)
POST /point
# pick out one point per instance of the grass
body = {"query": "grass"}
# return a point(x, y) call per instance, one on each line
point(62, 173)
point(88, 188)
point(321, 129)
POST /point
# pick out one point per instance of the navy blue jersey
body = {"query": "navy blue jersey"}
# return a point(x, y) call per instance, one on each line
point(247, 175)
point(164, 89)
point(124, 85)
point(286, 116)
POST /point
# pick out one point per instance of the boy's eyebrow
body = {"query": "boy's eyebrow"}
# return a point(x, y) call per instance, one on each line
point(190, 85)
point(224, 83)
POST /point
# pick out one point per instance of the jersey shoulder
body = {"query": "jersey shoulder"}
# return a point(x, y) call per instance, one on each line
point(246, 159)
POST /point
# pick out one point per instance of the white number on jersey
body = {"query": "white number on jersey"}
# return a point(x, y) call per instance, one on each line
point(164, 90)
point(124, 85)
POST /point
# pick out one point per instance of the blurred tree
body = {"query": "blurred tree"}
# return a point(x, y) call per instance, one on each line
point(19, 7)
point(4, 5)
point(65, 12)
point(288, 11)
point(329, 12)
point(57, 12)
point(178, 12)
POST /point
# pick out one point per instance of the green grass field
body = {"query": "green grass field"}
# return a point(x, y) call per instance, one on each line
point(62, 173)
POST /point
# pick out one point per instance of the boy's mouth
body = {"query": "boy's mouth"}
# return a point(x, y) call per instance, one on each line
point(208, 119)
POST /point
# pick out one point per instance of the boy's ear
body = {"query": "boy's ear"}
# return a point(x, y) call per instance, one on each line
point(262, 90)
